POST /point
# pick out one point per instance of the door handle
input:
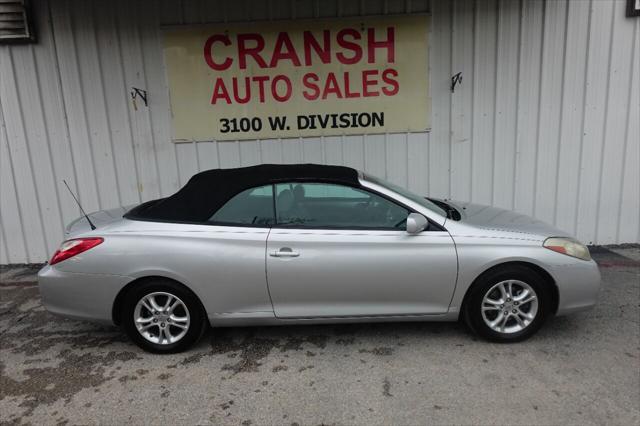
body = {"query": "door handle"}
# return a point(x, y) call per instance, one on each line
point(284, 252)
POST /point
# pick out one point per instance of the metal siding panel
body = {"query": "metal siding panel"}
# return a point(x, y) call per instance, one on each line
point(170, 12)
point(250, 153)
point(550, 110)
point(116, 102)
point(133, 51)
point(55, 118)
point(291, 151)
point(506, 100)
point(208, 155)
point(187, 161)
point(159, 110)
point(528, 95)
point(418, 6)
point(462, 99)
point(396, 6)
point(333, 149)
point(572, 115)
point(36, 145)
point(238, 10)
point(229, 154)
point(57, 156)
point(132, 69)
point(260, 11)
point(629, 217)
point(484, 86)
point(376, 7)
point(271, 150)
point(312, 151)
point(353, 151)
point(374, 156)
point(213, 11)
point(619, 106)
point(4, 249)
point(86, 187)
point(193, 11)
point(304, 9)
point(349, 8)
point(440, 80)
point(11, 219)
point(20, 159)
point(280, 9)
point(417, 161)
point(396, 158)
point(594, 120)
point(95, 111)
point(327, 8)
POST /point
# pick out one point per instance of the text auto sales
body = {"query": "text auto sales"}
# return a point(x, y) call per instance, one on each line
point(345, 47)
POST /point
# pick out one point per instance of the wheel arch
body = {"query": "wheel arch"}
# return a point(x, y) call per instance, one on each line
point(555, 294)
point(118, 302)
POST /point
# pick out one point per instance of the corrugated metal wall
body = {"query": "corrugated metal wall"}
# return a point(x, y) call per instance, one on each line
point(546, 120)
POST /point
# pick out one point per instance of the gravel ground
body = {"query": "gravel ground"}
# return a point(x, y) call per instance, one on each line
point(580, 369)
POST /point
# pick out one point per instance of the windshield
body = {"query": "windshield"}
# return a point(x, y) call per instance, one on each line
point(407, 194)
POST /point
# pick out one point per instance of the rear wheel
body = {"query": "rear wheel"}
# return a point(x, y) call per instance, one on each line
point(508, 304)
point(162, 316)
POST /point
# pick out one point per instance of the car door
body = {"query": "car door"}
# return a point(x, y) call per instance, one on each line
point(231, 256)
point(339, 251)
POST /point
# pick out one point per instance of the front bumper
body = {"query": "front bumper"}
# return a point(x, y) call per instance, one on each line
point(578, 285)
point(78, 295)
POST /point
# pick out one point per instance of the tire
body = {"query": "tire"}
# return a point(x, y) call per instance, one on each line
point(174, 329)
point(523, 317)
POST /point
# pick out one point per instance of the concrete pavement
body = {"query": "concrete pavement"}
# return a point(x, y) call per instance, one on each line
point(580, 369)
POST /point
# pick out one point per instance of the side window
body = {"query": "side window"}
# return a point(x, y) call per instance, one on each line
point(322, 205)
point(250, 207)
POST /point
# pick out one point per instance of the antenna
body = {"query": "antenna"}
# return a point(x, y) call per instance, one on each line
point(81, 209)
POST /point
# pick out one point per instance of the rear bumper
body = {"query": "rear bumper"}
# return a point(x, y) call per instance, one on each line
point(578, 286)
point(80, 296)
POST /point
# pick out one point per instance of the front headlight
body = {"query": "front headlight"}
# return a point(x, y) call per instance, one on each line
point(568, 246)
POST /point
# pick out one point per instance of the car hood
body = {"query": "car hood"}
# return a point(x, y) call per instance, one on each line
point(491, 218)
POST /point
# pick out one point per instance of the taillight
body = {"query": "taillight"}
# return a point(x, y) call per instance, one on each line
point(73, 247)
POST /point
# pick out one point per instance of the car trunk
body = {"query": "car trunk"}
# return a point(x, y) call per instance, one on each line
point(99, 219)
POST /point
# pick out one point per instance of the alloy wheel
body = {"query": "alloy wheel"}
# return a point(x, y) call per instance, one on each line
point(161, 318)
point(509, 306)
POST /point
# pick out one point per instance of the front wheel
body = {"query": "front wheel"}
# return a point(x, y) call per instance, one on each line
point(508, 304)
point(162, 316)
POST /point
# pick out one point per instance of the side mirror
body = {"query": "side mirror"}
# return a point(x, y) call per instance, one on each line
point(416, 223)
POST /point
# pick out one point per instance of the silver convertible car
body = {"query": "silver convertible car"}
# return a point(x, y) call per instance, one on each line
point(303, 244)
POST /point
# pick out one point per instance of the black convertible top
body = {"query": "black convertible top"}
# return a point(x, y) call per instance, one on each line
point(207, 191)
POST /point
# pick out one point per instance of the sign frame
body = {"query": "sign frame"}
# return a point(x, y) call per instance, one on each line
point(349, 20)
